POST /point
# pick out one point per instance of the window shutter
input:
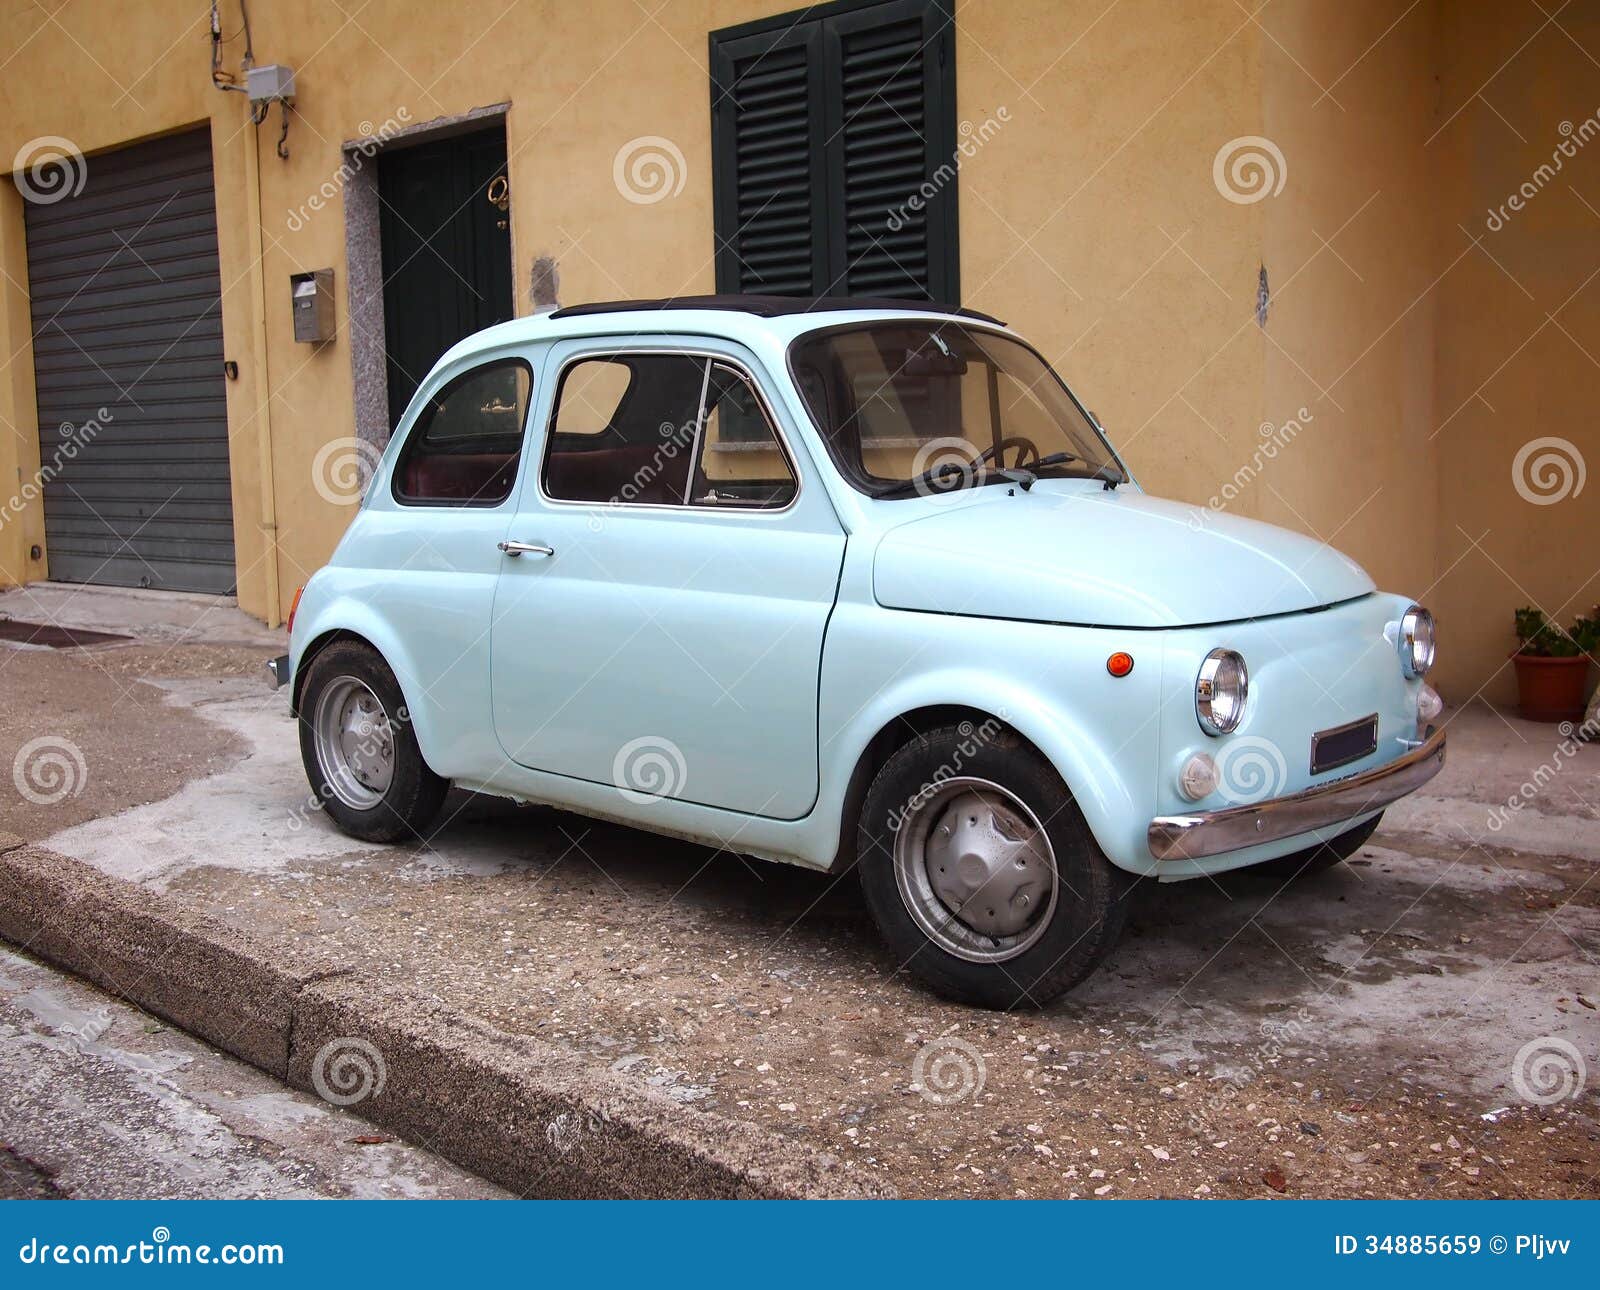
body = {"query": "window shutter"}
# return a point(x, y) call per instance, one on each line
point(887, 139)
point(768, 174)
point(833, 136)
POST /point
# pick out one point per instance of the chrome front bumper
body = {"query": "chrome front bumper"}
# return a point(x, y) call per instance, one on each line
point(1209, 833)
point(278, 671)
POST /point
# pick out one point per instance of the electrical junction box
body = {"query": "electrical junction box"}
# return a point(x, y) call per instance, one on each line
point(269, 84)
point(312, 297)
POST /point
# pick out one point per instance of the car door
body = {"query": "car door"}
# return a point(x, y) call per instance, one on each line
point(661, 629)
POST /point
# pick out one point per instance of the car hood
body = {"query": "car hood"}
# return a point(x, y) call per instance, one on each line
point(1072, 553)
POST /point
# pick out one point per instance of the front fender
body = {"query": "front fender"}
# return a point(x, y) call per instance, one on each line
point(1049, 683)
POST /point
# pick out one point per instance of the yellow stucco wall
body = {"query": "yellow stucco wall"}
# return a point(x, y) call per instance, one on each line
point(1349, 250)
point(1518, 310)
point(1090, 218)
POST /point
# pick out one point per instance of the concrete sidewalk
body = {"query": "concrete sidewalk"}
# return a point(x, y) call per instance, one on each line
point(1390, 1005)
point(154, 617)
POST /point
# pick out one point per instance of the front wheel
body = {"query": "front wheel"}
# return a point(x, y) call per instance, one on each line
point(360, 753)
point(981, 872)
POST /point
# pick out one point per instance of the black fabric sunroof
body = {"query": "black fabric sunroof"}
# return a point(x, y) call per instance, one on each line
point(771, 306)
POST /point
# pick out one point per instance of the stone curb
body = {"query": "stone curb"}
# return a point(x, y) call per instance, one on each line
point(534, 1118)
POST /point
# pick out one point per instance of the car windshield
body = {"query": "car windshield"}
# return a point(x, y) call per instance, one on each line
point(908, 406)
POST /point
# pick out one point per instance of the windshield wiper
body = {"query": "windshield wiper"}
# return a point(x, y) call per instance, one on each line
point(934, 477)
point(1107, 474)
point(1023, 476)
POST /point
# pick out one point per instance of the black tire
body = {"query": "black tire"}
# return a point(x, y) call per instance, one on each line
point(1321, 857)
point(411, 801)
point(1092, 893)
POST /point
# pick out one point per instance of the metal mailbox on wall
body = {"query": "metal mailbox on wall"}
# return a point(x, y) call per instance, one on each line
point(312, 296)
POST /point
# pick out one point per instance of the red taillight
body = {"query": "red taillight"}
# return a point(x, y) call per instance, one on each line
point(1119, 664)
point(293, 605)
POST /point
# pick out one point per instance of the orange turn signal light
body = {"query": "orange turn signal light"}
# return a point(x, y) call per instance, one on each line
point(294, 605)
point(1119, 664)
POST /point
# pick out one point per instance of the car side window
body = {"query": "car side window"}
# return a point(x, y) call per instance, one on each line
point(741, 461)
point(464, 447)
point(623, 429)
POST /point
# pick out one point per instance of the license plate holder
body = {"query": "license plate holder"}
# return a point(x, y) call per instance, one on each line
point(1341, 745)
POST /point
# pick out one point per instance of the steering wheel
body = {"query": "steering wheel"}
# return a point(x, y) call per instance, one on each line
point(1027, 451)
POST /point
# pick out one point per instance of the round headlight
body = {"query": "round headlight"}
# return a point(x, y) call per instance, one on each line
point(1220, 691)
point(1416, 641)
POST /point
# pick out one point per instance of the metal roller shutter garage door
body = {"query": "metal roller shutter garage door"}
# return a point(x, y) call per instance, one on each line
point(127, 318)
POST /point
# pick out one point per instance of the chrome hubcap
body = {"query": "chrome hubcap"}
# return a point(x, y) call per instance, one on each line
point(355, 742)
point(975, 869)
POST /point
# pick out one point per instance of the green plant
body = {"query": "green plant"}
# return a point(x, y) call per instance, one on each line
point(1538, 637)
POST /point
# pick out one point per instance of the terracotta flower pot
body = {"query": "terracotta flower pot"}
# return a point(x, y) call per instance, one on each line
point(1551, 689)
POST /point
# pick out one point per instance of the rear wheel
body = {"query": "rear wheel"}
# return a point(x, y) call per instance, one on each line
point(1322, 856)
point(360, 753)
point(981, 873)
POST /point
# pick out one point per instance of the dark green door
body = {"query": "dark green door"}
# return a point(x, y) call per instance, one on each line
point(446, 248)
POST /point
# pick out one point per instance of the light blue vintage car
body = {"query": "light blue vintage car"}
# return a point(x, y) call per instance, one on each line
point(847, 583)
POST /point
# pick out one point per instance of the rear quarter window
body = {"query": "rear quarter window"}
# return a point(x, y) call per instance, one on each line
point(464, 447)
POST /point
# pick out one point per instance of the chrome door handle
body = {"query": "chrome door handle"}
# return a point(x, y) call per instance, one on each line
point(532, 548)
